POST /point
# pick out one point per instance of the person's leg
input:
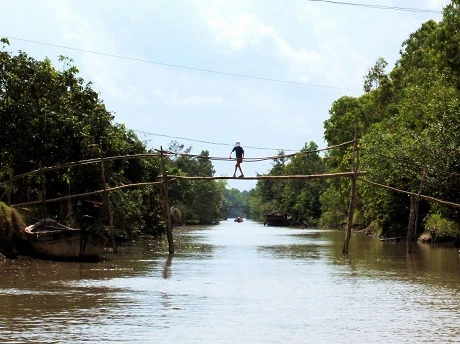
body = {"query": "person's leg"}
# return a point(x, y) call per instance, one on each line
point(234, 173)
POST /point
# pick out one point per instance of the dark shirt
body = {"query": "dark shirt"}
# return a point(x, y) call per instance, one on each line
point(239, 151)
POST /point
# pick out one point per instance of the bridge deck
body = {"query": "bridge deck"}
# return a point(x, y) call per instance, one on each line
point(311, 176)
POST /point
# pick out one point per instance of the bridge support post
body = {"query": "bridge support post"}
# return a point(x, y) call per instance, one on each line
point(351, 211)
point(413, 216)
point(351, 208)
point(108, 204)
point(10, 186)
point(42, 182)
point(411, 224)
point(166, 208)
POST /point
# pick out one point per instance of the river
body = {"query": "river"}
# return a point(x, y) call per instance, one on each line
point(237, 283)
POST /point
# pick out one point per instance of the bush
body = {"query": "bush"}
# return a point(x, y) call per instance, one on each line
point(332, 219)
point(440, 229)
point(11, 230)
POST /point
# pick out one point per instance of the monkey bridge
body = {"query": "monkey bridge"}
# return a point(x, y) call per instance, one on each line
point(165, 179)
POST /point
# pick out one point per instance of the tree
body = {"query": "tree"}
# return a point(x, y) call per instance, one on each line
point(375, 75)
point(51, 117)
point(236, 203)
point(199, 201)
point(302, 197)
point(448, 41)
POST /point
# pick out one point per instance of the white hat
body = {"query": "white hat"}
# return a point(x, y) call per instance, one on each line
point(237, 143)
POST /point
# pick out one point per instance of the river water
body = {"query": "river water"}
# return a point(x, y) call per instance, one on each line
point(237, 283)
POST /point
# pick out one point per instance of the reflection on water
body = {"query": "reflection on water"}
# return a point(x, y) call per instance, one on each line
point(167, 268)
point(237, 282)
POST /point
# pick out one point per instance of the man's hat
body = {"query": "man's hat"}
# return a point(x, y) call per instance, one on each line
point(237, 143)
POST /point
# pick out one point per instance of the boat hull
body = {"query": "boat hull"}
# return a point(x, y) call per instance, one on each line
point(55, 241)
point(277, 220)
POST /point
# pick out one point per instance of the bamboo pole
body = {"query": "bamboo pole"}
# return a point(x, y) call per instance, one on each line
point(149, 155)
point(42, 182)
point(10, 186)
point(86, 162)
point(351, 208)
point(84, 194)
point(428, 198)
point(166, 210)
point(311, 176)
point(171, 177)
point(410, 225)
point(417, 203)
point(109, 206)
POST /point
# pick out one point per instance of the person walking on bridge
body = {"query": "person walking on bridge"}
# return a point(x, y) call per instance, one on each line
point(239, 152)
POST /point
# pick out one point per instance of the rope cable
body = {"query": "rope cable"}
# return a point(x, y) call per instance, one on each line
point(165, 64)
point(380, 7)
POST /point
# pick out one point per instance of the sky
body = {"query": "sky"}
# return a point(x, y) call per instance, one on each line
point(207, 73)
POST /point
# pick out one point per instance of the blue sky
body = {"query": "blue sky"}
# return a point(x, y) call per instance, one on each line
point(168, 68)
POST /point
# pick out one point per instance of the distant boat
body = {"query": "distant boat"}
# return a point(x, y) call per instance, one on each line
point(238, 219)
point(277, 220)
point(51, 239)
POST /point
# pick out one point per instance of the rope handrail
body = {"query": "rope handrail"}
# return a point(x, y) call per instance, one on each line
point(84, 194)
point(264, 176)
point(456, 205)
point(300, 153)
point(164, 152)
point(86, 162)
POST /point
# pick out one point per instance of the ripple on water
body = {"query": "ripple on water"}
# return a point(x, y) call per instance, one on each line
point(245, 284)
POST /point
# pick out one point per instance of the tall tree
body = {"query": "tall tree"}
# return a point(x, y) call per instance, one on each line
point(50, 117)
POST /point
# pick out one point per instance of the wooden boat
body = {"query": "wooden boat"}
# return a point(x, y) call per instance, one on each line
point(238, 219)
point(278, 220)
point(51, 239)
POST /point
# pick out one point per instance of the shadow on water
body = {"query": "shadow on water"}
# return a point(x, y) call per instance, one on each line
point(167, 267)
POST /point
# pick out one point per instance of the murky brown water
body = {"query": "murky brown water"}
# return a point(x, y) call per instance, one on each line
point(237, 283)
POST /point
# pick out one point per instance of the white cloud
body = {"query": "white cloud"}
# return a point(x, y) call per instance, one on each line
point(236, 30)
point(240, 31)
point(86, 31)
point(196, 100)
point(159, 92)
point(437, 4)
point(191, 100)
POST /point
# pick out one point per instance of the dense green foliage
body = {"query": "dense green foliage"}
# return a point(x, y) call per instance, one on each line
point(408, 125)
point(194, 202)
point(236, 204)
point(439, 229)
point(52, 117)
point(299, 198)
point(11, 230)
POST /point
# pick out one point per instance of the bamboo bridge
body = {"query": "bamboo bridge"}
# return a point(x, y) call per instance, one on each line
point(165, 179)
